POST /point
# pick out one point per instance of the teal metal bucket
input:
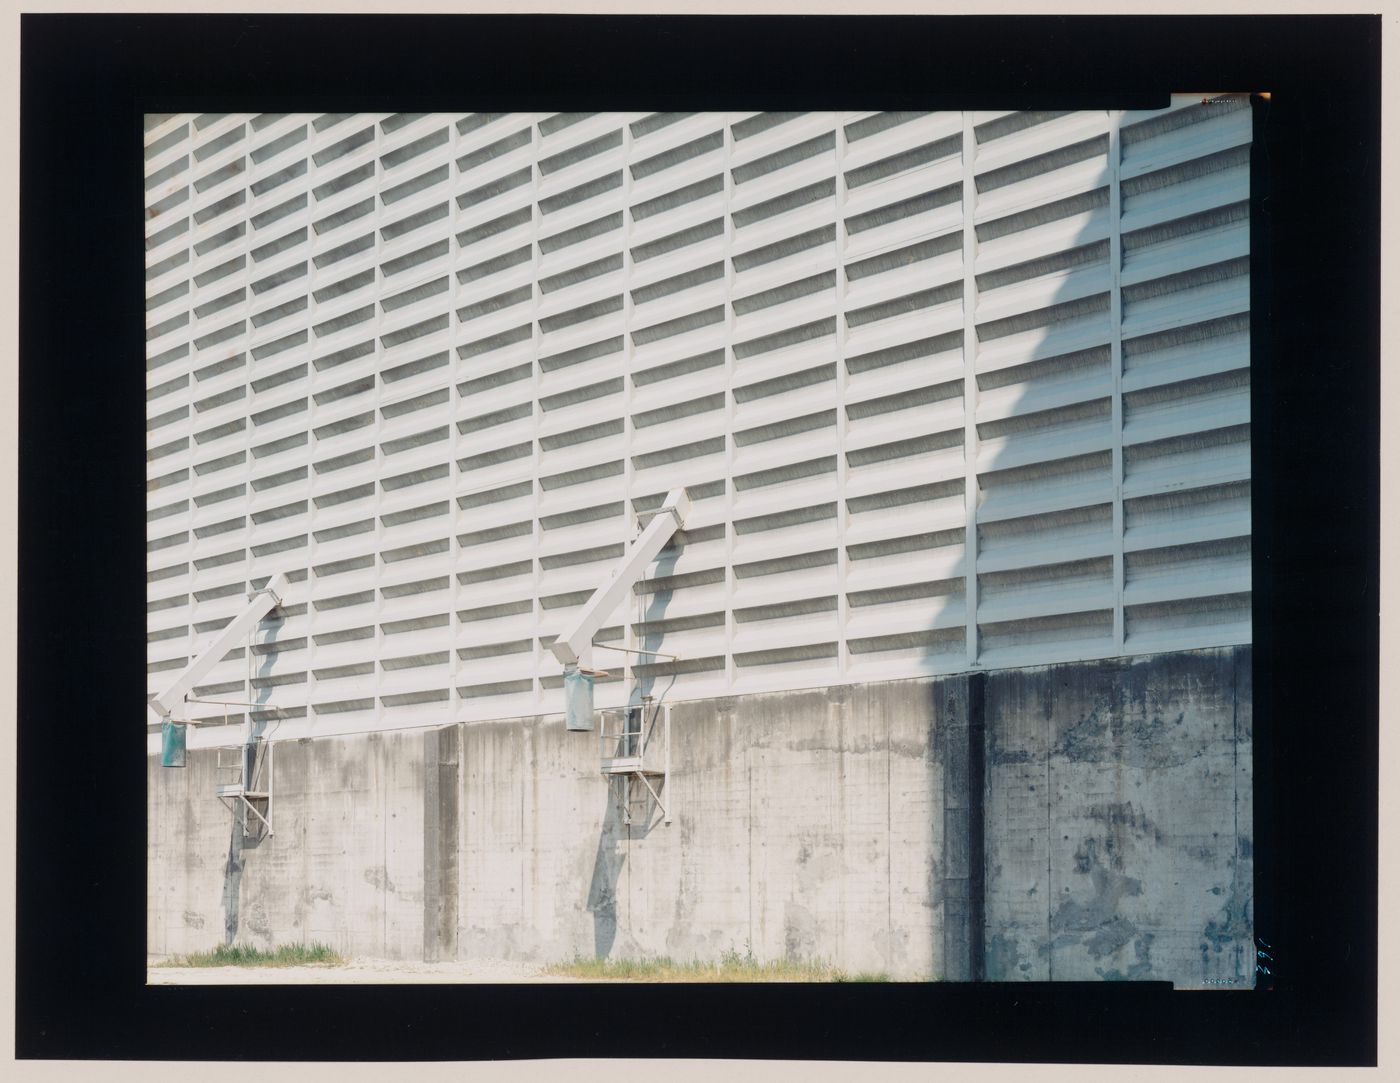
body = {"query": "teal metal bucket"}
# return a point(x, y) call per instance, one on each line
point(578, 701)
point(172, 744)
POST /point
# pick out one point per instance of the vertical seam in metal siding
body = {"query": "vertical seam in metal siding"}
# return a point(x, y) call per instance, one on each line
point(730, 409)
point(539, 653)
point(455, 410)
point(843, 424)
point(633, 602)
point(1115, 255)
point(379, 527)
point(969, 252)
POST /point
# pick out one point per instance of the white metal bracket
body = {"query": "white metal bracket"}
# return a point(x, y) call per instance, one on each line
point(260, 603)
point(574, 647)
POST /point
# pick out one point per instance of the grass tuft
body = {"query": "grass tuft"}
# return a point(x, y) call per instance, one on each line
point(731, 967)
point(316, 954)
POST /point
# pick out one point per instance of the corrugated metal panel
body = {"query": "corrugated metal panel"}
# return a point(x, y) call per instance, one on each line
point(436, 368)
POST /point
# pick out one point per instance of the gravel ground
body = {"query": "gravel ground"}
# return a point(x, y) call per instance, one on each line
point(385, 972)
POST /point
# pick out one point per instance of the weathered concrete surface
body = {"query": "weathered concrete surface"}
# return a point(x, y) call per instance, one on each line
point(961, 878)
point(533, 810)
point(833, 824)
point(806, 826)
point(1119, 828)
point(345, 866)
point(441, 843)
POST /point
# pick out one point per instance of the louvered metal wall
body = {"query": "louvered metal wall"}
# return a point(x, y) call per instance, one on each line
point(434, 368)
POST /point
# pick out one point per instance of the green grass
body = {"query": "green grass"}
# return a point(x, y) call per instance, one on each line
point(731, 967)
point(239, 955)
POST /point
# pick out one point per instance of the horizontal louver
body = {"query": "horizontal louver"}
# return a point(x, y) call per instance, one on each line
point(947, 391)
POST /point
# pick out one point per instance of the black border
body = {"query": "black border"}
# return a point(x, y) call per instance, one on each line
point(81, 831)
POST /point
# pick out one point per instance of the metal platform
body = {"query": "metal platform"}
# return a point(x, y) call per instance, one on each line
point(630, 753)
point(252, 761)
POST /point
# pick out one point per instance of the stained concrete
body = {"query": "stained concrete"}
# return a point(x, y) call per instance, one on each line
point(441, 806)
point(833, 824)
point(345, 865)
point(1120, 795)
point(804, 828)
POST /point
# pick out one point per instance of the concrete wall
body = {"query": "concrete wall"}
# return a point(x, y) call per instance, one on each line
point(1119, 810)
point(807, 825)
point(345, 865)
point(838, 824)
